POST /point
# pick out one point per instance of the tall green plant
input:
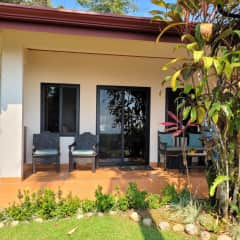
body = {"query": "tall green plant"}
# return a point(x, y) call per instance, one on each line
point(210, 75)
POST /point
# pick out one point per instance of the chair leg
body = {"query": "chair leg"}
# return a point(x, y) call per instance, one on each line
point(180, 163)
point(165, 161)
point(94, 165)
point(70, 168)
point(33, 165)
point(58, 163)
point(158, 163)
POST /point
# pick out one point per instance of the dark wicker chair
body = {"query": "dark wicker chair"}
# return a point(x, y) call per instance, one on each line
point(84, 146)
point(167, 148)
point(46, 149)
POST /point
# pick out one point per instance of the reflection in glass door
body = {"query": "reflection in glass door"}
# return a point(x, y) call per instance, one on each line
point(123, 125)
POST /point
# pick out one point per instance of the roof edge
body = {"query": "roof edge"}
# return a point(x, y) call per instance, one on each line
point(63, 17)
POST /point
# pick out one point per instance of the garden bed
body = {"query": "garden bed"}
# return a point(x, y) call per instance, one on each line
point(150, 216)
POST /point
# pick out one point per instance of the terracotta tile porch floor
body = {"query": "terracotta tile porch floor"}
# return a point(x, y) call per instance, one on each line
point(83, 182)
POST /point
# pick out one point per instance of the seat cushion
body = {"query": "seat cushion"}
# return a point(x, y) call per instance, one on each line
point(195, 140)
point(168, 139)
point(46, 152)
point(83, 153)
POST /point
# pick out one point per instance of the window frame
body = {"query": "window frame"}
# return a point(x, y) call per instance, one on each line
point(43, 105)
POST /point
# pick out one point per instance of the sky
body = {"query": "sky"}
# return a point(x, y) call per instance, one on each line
point(144, 6)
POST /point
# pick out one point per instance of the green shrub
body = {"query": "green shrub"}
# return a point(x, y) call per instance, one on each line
point(2, 215)
point(88, 205)
point(122, 204)
point(184, 197)
point(153, 201)
point(44, 204)
point(23, 210)
point(18, 212)
point(169, 195)
point(104, 202)
point(136, 198)
point(68, 207)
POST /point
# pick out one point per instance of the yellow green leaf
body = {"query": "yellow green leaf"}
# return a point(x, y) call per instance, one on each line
point(218, 64)
point(165, 66)
point(192, 46)
point(187, 88)
point(197, 55)
point(160, 3)
point(207, 104)
point(172, 25)
point(174, 80)
point(201, 114)
point(154, 12)
point(188, 37)
point(186, 112)
point(228, 70)
point(193, 115)
point(215, 117)
point(207, 61)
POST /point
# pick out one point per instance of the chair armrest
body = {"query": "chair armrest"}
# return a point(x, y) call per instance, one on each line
point(71, 146)
point(33, 148)
point(162, 146)
point(95, 148)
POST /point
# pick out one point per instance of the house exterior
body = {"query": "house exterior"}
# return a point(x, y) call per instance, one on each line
point(73, 72)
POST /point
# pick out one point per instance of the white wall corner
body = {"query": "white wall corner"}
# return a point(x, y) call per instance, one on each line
point(11, 115)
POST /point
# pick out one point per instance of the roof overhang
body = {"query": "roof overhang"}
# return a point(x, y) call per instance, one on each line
point(77, 22)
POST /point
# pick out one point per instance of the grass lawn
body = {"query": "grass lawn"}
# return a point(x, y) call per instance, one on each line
point(94, 228)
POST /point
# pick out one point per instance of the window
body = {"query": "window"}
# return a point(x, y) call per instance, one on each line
point(60, 108)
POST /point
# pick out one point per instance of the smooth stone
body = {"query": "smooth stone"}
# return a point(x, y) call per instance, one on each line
point(204, 235)
point(80, 216)
point(112, 213)
point(14, 223)
point(164, 226)
point(224, 237)
point(135, 217)
point(89, 214)
point(1, 225)
point(39, 220)
point(100, 214)
point(178, 228)
point(147, 222)
point(191, 229)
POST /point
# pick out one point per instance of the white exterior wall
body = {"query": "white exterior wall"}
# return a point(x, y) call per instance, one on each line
point(89, 71)
point(11, 115)
point(61, 58)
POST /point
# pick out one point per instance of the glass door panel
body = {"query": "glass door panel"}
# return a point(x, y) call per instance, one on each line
point(134, 127)
point(110, 124)
point(123, 125)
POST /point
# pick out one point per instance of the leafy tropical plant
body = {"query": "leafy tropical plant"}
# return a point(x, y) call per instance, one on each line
point(179, 129)
point(210, 34)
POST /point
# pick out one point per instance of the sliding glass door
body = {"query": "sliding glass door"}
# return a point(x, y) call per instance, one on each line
point(123, 125)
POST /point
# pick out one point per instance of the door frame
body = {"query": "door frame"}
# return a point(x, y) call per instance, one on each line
point(148, 117)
